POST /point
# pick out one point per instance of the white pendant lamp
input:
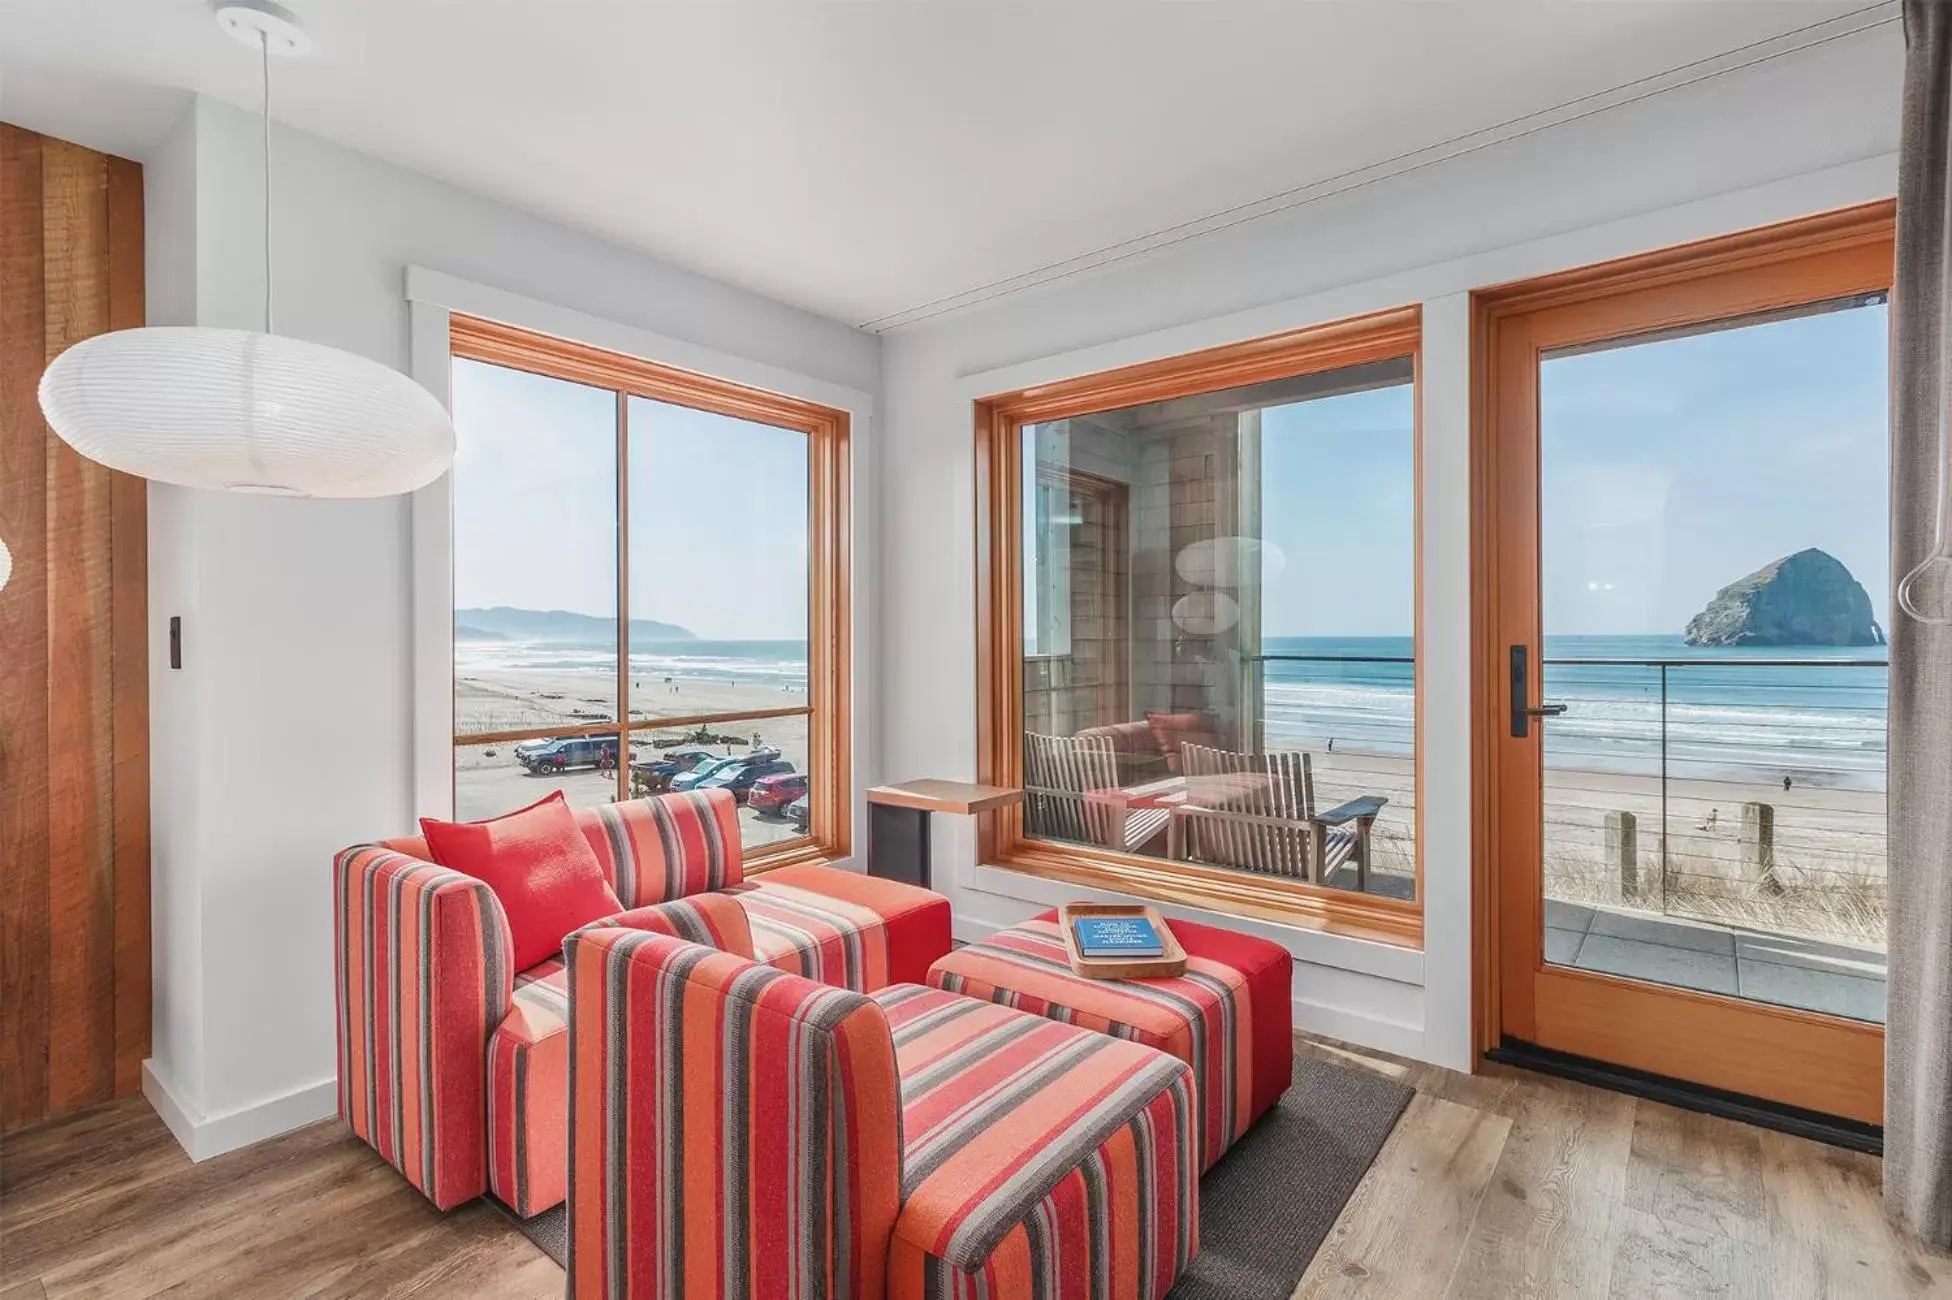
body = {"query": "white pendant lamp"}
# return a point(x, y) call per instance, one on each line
point(6, 565)
point(243, 411)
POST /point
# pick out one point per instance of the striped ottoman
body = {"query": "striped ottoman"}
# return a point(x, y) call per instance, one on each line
point(1228, 1017)
point(738, 1131)
point(1038, 1160)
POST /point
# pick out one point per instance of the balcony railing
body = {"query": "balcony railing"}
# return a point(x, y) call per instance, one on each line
point(1740, 790)
point(1743, 790)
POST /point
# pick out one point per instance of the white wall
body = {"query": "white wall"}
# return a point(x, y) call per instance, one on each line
point(169, 220)
point(287, 735)
point(1778, 140)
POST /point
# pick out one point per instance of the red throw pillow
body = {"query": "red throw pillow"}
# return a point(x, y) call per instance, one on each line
point(1172, 730)
point(540, 866)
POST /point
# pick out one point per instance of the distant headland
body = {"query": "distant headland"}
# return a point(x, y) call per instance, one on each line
point(1808, 598)
point(505, 623)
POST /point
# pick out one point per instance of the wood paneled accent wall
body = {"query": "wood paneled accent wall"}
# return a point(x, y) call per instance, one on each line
point(74, 664)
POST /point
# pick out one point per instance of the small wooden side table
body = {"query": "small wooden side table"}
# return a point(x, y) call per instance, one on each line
point(898, 821)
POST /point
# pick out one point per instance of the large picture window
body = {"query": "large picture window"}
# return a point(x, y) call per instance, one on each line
point(1199, 626)
point(649, 589)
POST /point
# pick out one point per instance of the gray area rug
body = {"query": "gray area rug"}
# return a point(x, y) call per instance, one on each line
point(1268, 1205)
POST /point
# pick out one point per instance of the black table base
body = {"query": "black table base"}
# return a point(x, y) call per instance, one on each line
point(898, 843)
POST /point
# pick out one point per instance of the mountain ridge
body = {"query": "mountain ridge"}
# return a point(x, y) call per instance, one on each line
point(510, 623)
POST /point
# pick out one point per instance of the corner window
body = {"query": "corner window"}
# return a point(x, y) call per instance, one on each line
point(1201, 660)
point(649, 585)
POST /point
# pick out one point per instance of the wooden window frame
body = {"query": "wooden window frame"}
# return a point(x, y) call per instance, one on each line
point(1835, 1065)
point(999, 421)
point(828, 709)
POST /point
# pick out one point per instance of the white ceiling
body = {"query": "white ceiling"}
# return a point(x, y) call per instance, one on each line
point(861, 159)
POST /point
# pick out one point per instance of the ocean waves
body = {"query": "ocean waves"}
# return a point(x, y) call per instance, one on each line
point(1841, 743)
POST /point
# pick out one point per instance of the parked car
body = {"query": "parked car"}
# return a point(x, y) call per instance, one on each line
point(655, 774)
point(773, 793)
point(800, 813)
point(599, 752)
point(695, 779)
point(740, 777)
point(689, 780)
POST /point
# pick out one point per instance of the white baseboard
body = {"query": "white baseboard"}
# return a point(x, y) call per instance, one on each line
point(969, 929)
point(1358, 1029)
point(203, 1136)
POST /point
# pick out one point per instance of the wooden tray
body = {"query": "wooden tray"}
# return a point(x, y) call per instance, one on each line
point(1171, 963)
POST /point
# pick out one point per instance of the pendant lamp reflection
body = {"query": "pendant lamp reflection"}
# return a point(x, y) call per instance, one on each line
point(244, 411)
point(1229, 561)
point(1206, 613)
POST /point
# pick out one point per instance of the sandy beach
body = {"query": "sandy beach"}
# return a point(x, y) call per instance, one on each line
point(489, 780)
point(489, 702)
point(1828, 877)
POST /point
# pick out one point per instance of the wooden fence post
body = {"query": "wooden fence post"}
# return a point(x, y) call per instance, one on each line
point(1759, 845)
point(1623, 850)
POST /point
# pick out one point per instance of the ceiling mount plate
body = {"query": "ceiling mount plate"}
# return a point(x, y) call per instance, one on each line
point(263, 24)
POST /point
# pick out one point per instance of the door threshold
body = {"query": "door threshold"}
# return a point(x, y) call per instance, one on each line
point(1834, 1130)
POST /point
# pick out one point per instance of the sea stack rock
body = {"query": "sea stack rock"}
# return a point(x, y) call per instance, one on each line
point(1808, 598)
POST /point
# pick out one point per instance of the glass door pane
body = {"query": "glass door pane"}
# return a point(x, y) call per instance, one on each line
point(1713, 583)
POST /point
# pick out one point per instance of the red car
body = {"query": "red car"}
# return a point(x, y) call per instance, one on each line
point(773, 793)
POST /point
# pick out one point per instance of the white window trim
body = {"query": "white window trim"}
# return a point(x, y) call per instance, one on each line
point(433, 297)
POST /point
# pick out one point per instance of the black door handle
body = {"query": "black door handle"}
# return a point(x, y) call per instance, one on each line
point(1521, 713)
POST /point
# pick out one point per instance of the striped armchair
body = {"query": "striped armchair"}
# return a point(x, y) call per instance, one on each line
point(454, 1066)
point(740, 1131)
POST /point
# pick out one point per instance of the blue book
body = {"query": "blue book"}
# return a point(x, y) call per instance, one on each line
point(1117, 936)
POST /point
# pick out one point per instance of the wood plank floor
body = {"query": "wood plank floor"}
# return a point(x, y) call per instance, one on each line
point(1499, 1185)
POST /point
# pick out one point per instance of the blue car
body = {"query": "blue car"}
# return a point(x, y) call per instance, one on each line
point(697, 777)
point(738, 777)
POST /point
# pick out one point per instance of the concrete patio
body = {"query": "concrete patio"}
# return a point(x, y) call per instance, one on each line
point(1837, 979)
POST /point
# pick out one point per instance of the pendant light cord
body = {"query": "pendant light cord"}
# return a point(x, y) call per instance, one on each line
point(264, 55)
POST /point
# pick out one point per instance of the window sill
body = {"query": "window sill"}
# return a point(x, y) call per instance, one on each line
point(790, 853)
point(1290, 903)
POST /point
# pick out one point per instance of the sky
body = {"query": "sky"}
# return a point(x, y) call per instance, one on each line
point(718, 508)
point(1338, 503)
point(1669, 469)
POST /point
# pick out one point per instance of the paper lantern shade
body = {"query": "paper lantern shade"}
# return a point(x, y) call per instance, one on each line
point(246, 412)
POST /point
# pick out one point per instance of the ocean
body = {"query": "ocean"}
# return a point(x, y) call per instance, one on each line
point(781, 664)
point(1741, 713)
point(1728, 715)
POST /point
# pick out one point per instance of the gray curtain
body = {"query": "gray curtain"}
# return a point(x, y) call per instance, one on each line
point(1918, 1041)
